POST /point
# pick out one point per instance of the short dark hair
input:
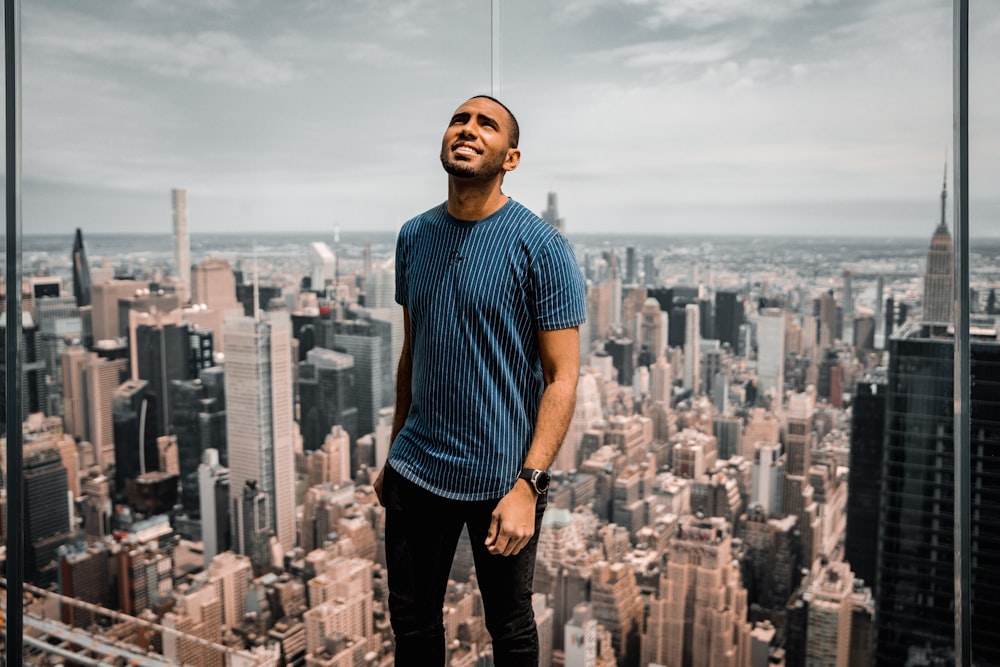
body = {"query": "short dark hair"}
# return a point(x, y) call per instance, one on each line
point(515, 129)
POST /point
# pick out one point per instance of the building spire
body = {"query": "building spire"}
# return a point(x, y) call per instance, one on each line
point(944, 193)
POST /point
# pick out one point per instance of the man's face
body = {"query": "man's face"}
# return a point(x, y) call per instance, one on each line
point(477, 141)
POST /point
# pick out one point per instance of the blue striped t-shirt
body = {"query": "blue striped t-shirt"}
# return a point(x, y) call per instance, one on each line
point(477, 295)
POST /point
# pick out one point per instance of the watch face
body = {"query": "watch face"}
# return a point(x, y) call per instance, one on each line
point(542, 481)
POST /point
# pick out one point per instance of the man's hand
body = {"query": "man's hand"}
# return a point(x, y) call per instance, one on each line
point(513, 521)
point(377, 484)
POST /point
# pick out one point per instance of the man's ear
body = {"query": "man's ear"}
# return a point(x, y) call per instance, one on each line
point(512, 160)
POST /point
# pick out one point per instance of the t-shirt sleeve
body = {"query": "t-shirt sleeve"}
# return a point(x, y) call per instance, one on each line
point(401, 295)
point(560, 295)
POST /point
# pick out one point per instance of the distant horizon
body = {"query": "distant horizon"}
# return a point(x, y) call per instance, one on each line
point(569, 234)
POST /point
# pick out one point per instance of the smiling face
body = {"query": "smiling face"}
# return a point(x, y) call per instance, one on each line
point(478, 141)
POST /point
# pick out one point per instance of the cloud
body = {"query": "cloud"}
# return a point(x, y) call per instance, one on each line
point(214, 56)
point(702, 14)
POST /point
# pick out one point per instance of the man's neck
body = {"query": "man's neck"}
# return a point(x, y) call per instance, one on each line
point(474, 200)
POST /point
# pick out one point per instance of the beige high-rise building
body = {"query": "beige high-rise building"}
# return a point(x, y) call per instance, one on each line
point(345, 615)
point(344, 589)
point(214, 284)
point(89, 383)
point(182, 243)
point(197, 614)
point(599, 299)
point(543, 621)
point(829, 600)
point(232, 574)
point(330, 464)
point(104, 301)
point(764, 427)
point(632, 306)
point(651, 328)
point(564, 562)
point(260, 417)
point(586, 412)
point(617, 604)
point(699, 617)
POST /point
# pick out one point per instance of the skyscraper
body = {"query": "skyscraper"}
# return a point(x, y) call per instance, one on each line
point(83, 575)
point(213, 499)
point(81, 271)
point(692, 348)
point(915, 571)
point(214, 284)
point(46, 515)
point(847, 312)
point(699, 614)
point(829, 600)
point(34, 388)
point(771, 350)
point(260, 414)
point(369, 342)
point(134, 418)
point(651, 329)
point(327, 396)
point(865, 465)
point(728, 317)
point(251, 524)
point(939, 276)
point(551, 213)
point(182, 244)
point(164, 353)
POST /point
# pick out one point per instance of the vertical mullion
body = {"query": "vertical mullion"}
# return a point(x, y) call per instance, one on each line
point(13, 622)
point(960, 308)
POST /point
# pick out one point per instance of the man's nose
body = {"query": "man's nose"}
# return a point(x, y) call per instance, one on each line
point(467, 130)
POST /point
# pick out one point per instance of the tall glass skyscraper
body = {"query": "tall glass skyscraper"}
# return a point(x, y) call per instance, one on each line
point(915, 572)
point(260, 416)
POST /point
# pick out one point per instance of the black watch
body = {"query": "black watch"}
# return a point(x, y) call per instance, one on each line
point(539, 479)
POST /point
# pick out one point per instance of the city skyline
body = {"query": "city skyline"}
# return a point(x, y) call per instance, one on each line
point(716, 116)
point(757, 462)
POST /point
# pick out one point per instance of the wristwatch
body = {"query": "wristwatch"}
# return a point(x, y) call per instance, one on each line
point(539, 479)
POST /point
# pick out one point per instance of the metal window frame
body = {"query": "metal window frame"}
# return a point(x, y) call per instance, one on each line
point(14, 620)
point(962, 391)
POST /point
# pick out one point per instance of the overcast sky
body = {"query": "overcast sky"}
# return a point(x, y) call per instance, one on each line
point(645, 116)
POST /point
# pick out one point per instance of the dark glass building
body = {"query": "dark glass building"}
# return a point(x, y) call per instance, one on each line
point(46, 516)
point(916, 569)
point(134, 432)
point(167, 353)
point(34, 388)
point(327, 389)
point(867, 430)
point(728, 317)
point(622, 351)
point(81, 271)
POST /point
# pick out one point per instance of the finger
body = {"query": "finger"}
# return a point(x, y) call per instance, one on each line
point(514, 547)
point(493, 533)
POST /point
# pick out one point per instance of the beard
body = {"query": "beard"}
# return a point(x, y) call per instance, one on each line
point(486, 169)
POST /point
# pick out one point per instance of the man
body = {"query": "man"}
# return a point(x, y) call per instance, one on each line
point(492, 300)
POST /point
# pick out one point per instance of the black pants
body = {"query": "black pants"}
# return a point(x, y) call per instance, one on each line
point(421, 533)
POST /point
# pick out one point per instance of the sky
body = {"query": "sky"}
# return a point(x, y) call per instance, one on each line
point(804, 117)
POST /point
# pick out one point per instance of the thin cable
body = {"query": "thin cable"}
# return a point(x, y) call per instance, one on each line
point(493, 88)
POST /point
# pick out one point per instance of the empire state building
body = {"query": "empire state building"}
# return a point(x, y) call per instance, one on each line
point(939, 280)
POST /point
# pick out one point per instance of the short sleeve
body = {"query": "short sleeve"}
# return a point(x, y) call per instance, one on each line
point(560, 294)
point(401, 295)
